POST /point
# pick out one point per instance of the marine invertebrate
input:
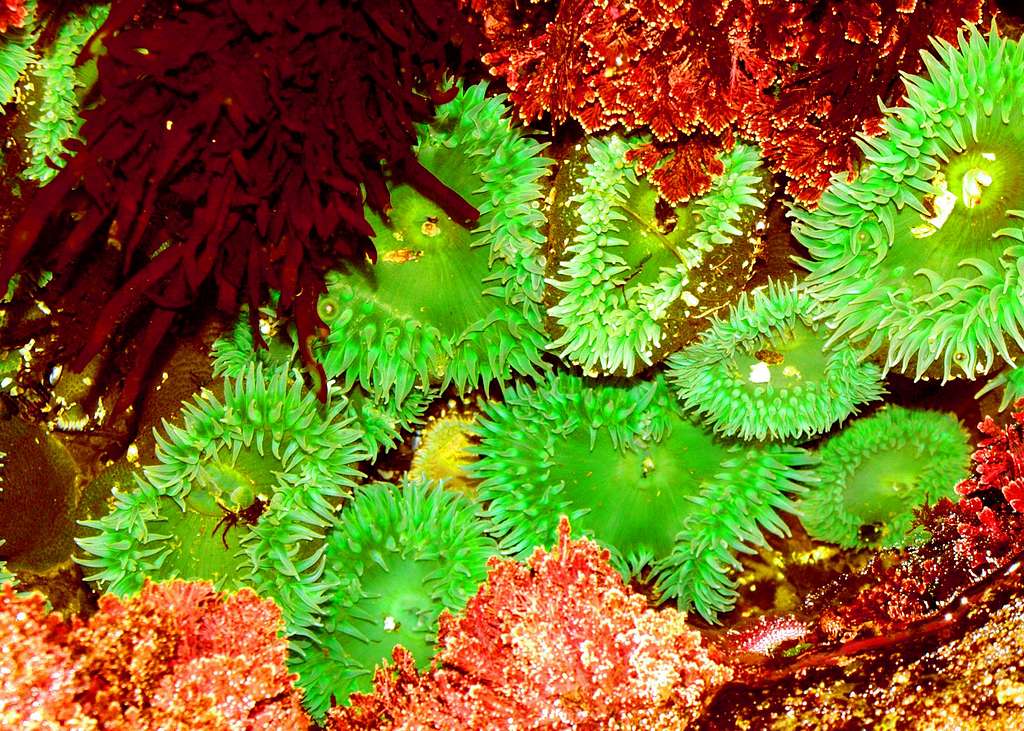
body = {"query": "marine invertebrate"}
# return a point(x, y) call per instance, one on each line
point(399, 556)
point(559, 642)
point(380, 422)
point(632, 277)
point(392, 329)
point(918, 256)
point(442, 454)
point(176, 655)
point(998, 462)
point(628, 468)
point(1011, 380)
point(203, 183)
point(268, 443)
point(55, 117)
point(878, 471)
point(764, 371)
point(696, 73)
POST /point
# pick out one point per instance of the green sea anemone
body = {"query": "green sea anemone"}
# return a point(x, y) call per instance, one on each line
point(444, 304)
point(630, 470)
point(920, 256)
point(443, 453)
point(878, 471)
point(399, 557)
point(764, 372)
point(60, 80)
point(235, 351)
point(632, 270)
point(241, 495)
point(1011, 380)
point(380, 423)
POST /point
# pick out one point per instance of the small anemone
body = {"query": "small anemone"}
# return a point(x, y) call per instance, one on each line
point(443, 454)
point(764, 372)
point(632, 277)
point(392, 327)
point(271, 456)
point(920, 256)
point(380, 423)
point(878, 471)
point(631, 471)
point(235, 351)
point(399, 557)
point(1011, 380)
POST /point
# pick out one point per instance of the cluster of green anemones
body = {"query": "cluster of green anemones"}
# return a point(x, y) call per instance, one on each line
point(631, 270)
point(921, 254)
point(765, 371)
point(443, 304)
point(875, 474)
point(269, 452)
point(629, 469)
point(399, 557)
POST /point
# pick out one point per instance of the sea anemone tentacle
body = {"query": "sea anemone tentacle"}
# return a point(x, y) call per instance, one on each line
point(919, 257)
point(877, 472)
point(764, 371)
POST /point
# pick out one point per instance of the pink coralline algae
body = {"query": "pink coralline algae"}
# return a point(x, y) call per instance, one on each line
point(559, 642)
point(999, 460)
point(177, 655)
point(12, 14)
point(800, 78)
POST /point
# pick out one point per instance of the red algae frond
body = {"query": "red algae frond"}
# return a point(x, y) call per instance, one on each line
point(558, 642)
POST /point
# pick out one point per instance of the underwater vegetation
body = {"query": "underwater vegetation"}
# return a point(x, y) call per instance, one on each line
point(697, 74)
point(399, 557)
point(176, 655)
point(765, 372)
point(360, 306)
point(558, 642)
point(629, 469)
point(876, 473)
point(631, 276)
point(183, 169)
point(919, 257)
point(241, 494)
point(392, 329)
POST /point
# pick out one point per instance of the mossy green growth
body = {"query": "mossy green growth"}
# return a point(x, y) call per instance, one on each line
point(400, 556)
point(629, 469)
point(765, 372)
point(632, 270)
point(445, 304)
point(55, 119)
point(919, 257)
point(268, 454)
point(878, 471)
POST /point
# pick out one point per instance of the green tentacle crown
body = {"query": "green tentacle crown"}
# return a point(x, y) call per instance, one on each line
point(636, 277)
point(444, 304)
point(920, 256)
point(627, 468)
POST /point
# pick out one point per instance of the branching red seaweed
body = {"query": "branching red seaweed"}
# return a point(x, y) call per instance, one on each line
point(557, 643)
point(177, 655)
point(801, 78)
point(234, 148)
